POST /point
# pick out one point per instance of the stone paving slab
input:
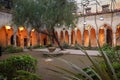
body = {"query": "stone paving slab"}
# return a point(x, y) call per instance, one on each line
point(70, 51)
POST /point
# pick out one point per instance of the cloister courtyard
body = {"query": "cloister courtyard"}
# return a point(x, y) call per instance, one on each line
point(59, 39)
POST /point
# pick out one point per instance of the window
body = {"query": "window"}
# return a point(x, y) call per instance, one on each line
point(88, 10)
point(105, 8)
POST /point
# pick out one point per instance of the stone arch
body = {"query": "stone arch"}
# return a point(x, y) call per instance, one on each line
point(79, 37)
point(109, 34)
point(73, 37)
point(86, 38)
point(6, 33)
point(118, 36)
point(66, 37)
point(61, 37)
point(43, 39)
point(93, 41)
point(22, 34)
point(33, 38)
point(101, 36)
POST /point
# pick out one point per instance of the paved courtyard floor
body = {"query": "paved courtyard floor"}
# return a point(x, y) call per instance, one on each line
point(44, 62)
point(71, 51)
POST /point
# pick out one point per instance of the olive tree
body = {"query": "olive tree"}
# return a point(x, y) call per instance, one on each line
point(44, 13)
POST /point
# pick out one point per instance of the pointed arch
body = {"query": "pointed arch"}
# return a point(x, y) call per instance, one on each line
point(86, 38)
point(109, 34)
point(93, 40)
point(6, 33)
point(118, 36)
point(101, 36)
point(79, 37)
point(43, 39)
point(33, 38)
point(61, 37)
point(73, 37)
point(22, 34)
point(66, 37)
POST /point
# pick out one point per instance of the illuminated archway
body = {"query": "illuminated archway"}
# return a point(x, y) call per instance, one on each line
point(109, 34)
point(6, 33)
point(33, 38)
point(43, 39)
point(66, 37)
point(101, 36)
point(22, 38)
point(61, 37)
point(73, 37)
point(93, 41)
point(86, 38)
point(79, 37)
point(118, 36)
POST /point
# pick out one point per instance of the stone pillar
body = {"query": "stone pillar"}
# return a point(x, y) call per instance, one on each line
point(89, 45)
point(28, 40)
point(15, 36)
point(64, 36)
point(114, 39)
point(69, 38)
point(105, 30)
point(75, 36)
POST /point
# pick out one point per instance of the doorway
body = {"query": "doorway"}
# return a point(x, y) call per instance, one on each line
point(109, 37)
point(12, 40)
point(25, 42)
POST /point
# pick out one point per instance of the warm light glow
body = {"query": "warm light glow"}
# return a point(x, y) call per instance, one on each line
point(102, 27)
point(33, 30)
point(118, 27)
point(7, 27)
point(21, 28)
point(75, 28)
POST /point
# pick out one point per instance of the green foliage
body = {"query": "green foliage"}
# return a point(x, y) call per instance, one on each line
point(77, 46)
point(112, 52)
point(12, 49)
point(116, 66)
point(66, 45)
point(24, 75)
point(38, 46)
point(35, 12)
point(9, 66)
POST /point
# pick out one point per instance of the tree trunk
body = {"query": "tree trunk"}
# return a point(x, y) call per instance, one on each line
point(56, 39)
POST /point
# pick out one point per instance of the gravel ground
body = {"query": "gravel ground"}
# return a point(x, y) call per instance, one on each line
point(45, 62)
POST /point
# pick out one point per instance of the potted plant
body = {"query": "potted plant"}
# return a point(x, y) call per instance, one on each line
point(51, 48)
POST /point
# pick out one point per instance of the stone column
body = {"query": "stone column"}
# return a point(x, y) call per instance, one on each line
point(29, 32)
point(75, 36)
point(114, 39)
point(89, 45)
point(105, 30)
point(69, 38)
point(14, 36)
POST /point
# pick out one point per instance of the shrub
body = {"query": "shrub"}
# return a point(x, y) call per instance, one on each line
point(66, 46)
point(24, 75)
point(9, 66)
point(116, 66)
point(12, 49)
point(38, 46)
point(77, 46)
